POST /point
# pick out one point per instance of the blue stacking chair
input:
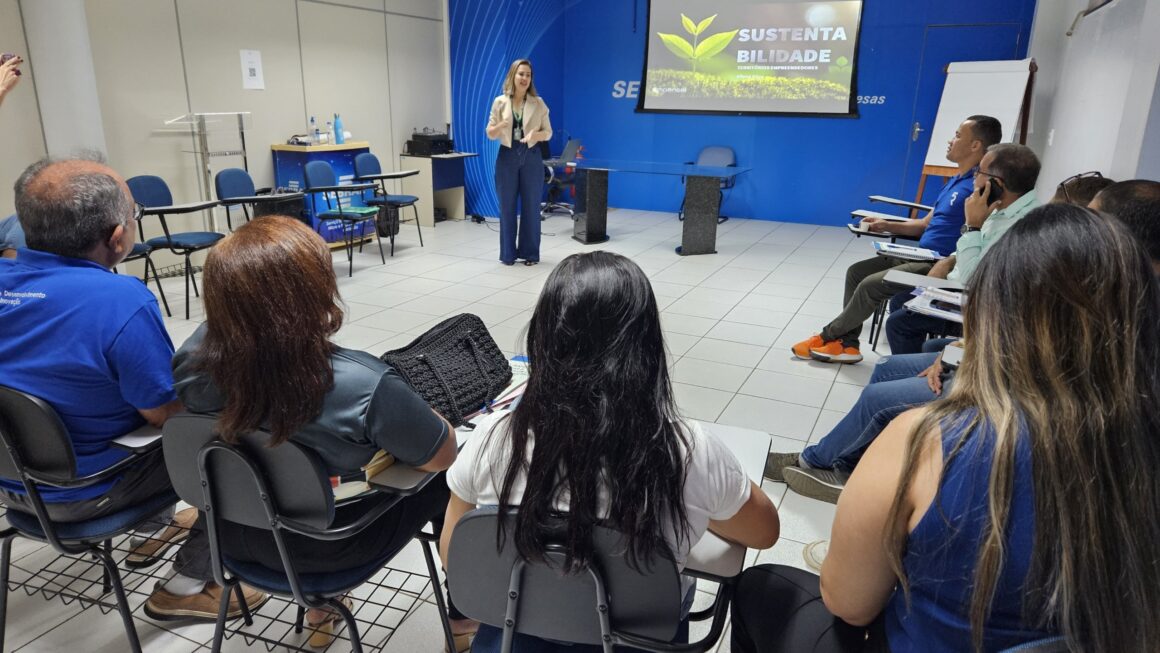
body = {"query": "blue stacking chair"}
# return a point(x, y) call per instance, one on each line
point(231, 183)
point(367, 165)
point(37, 451)
point(319, 177)
point(152, 192)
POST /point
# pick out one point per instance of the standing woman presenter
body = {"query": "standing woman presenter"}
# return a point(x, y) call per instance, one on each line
point(519, 120)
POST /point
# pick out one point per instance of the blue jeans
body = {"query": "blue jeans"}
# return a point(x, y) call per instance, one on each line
point(906, 331)
point(519, 184)
point(893, 388)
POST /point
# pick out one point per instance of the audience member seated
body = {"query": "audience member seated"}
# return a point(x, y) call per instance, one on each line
point(1137, 204)
point(1009, 171)
point(1080, 189)
point(866, 286)
point(597, 435)
point(274, 277)
point(88, 342)
point(996, 516)
point(11, 237)
point(821, 470)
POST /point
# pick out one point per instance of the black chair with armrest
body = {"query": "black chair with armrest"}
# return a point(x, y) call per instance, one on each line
point(559, 177)
point(38, 452)
point(607, 604)
point(282, 489)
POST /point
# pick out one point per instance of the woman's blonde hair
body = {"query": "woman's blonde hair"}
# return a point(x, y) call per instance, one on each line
point(1063, 321)
point(509, 82)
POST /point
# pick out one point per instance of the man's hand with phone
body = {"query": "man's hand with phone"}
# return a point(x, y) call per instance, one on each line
point(979, 205)
point(9, 72)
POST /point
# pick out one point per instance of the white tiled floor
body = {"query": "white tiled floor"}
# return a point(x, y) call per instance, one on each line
point(729, 321)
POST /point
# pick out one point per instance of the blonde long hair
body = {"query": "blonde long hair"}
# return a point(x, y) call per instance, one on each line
point(509, 82)
point(1062, 317)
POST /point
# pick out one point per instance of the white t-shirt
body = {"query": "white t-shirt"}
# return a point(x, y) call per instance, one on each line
point(715, 483)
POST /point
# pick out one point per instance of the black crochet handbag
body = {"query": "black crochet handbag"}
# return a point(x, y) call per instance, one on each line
point(456, 366)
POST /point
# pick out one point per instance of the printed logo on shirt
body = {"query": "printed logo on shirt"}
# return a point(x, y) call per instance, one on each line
point(954, 196)
point(15, 298)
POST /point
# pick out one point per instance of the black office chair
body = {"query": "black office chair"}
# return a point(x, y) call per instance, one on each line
point(38, 452)
point(718, 156)
point(607, 604)
point(559, 178)
point(282, 489)
point(367, 165)
point(152, 192)
point(319, 177)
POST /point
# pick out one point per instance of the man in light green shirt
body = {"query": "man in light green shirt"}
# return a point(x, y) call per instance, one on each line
point(1007, 173)
point(1004, 193)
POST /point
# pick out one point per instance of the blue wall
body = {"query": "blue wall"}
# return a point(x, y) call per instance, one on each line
point(811, 169)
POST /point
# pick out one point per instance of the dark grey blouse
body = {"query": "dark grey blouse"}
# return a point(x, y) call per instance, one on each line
point(369, 408)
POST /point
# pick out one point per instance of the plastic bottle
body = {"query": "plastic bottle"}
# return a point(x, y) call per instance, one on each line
point(315, 135)
point(339, 136)
point(329, 131)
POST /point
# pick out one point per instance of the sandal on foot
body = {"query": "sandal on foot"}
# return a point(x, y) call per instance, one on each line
point(462, 642)
point(530, 263)
point(322, 632)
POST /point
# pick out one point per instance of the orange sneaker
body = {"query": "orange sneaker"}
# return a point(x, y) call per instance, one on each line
point(834, 352)
point(802, 349)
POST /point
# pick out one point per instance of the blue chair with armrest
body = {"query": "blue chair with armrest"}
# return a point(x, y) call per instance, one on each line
point(319, 177)
point(367, 165)
point(153, 193)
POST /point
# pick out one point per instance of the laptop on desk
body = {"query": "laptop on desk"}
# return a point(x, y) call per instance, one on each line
point(568, 155)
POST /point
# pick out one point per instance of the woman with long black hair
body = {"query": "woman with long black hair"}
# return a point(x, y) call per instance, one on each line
point(597, 436)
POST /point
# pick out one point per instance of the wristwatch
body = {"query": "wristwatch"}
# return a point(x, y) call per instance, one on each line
point(968, 229)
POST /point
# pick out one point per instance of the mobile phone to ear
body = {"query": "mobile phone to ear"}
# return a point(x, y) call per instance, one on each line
point(996, 192)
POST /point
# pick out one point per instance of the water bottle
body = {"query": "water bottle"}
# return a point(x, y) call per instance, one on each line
point(329, 131)
point(339, 137)
point(314, 134)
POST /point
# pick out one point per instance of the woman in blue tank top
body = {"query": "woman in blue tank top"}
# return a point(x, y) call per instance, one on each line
point(1021, 506)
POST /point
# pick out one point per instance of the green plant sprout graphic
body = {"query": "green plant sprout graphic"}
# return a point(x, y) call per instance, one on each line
point(697, 51)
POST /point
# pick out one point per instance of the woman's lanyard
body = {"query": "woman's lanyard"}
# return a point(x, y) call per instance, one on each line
point(518, 121)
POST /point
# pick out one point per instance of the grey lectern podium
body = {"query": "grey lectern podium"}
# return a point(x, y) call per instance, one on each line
point(590, 224)
point(702, 200)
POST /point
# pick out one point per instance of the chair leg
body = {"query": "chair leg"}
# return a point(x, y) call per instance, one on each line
point(348, 234)
point(247, 616)
point(150, 265)
point(394, 226)
point(351, 625)
point(192, 276)
point(219, 628)
point(418, 226)
point(876, 323)
point(122, 602)
point(106, 582)
point(436, 588)
point(187, 287)
point(299, 619)
point(5, 556)
point(379, 240)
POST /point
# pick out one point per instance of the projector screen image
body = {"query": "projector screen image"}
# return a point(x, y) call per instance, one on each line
point(750, 56)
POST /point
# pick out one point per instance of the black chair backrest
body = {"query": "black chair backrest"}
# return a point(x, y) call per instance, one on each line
point(296, 480)
point(32, 428)
point(553, 605)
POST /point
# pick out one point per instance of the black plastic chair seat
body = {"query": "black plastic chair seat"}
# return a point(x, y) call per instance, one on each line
point(186, 240)
point(139, 249)
point(94, 530)
point(328, 584)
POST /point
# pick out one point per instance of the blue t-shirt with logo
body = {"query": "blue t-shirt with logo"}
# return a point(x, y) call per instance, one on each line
point(946, 221)
point(89, 342)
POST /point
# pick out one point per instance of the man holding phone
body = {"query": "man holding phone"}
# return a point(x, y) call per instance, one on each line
point(9, 73)
point(1004, 193)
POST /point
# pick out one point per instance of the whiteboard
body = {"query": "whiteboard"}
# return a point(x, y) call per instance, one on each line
point(990, 88)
